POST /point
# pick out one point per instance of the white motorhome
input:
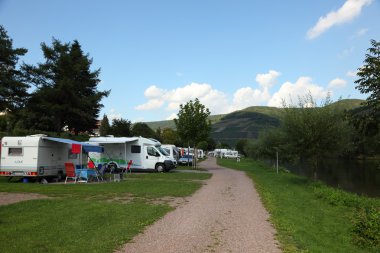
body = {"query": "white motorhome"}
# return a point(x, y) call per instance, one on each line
point(233, 154)
point(145, 154)
point(172, 151)
point(39, 156)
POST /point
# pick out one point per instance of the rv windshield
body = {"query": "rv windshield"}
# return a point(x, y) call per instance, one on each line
point(162, 151)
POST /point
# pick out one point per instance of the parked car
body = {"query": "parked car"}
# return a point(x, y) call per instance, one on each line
point(186, 159)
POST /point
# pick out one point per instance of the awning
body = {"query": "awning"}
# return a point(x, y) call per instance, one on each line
point(112, 140)
point(85, 146)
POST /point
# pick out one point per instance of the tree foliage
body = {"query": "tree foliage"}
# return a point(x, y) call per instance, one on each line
point(314, 132)
point(105, 128)
point(192, 123)
point(66, 90)
point(366, 119)
point(121, 128)
point(369, 77)
point(13, 92)
point(169, 136)
point(142, 129)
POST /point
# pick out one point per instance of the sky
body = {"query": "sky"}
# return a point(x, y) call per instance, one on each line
point(155, 55)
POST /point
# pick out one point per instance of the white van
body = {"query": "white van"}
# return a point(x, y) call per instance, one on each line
point(145, 154)
point(39, 156)
point(172, 151)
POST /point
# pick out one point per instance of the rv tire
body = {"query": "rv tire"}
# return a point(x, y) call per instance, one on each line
point(160, 167)
point(60, 176)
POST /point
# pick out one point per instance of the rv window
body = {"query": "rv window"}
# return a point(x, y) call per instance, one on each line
point(135, 149)
point(15, 151)
point(151, 151)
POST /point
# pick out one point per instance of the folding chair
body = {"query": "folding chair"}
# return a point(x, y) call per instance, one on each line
point(129, 166)
point(100, 171)
point(70, 172)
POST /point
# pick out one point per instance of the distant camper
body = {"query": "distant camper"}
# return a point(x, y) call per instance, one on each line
point(38, 156)
point(172, 151)
point(145, 154)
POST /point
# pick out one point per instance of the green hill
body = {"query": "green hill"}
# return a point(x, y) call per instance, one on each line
point(249, 122)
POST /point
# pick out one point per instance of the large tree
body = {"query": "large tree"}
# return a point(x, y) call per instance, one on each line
point(193, 125)
point(366, 119)
point(312, 131)
point(66, 89)
point(142, 129)
point(105, 127)
point(121, 128)
point(13, 92)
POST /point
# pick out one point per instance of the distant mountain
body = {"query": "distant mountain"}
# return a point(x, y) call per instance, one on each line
point(249, 122)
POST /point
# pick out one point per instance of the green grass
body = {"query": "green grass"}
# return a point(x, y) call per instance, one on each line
point(88, 217)
point(308, 216)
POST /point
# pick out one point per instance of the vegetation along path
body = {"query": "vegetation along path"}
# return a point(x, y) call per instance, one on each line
point(225, 215)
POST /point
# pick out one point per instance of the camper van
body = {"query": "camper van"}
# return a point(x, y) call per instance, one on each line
point(172, 151)
point(145, 154)
point(38, 156)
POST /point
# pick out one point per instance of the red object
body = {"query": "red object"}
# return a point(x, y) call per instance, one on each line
point(91, 165)
point(76, 148)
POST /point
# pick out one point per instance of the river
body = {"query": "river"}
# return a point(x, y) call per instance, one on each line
point(358, 176)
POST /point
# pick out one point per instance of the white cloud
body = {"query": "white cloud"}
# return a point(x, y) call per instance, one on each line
point(361, 32)
point(300, 88)
point(153, 92)
point(351, 73)
point(151, 104)
point(213, 99)
point(267, 80)
point(247, 96)
point(172, 116)
point(346, 52)
point(349, 10)
point(337, 83)
point(113, 114)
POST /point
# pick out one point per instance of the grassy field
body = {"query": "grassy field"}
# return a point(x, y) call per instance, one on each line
point(308, 216)
point(88, 217)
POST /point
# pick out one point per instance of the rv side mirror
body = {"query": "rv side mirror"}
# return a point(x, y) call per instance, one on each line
point(156, 154)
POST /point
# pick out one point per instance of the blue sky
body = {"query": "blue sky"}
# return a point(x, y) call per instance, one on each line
point(155, 55)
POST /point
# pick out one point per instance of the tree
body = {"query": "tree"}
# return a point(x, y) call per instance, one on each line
point(192, 123)
point(13, 92)
point(66, 90)
point(369, 77)
point(105, 127)
point(142, 129)
point(202, 145)
point(241, 146)
point(121, 128)
point(366, 119)
point(169, 136)
point(313, 132)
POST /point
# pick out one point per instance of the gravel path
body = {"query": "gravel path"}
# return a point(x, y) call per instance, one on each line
point(225, 215)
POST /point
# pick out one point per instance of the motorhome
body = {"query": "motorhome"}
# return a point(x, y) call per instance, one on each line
point(145, 154)
point(39, 156)
point(172, 151)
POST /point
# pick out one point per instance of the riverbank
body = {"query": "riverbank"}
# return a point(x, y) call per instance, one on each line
point(311, 217)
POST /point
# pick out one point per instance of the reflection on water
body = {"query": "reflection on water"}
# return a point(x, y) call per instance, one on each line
point(359, 176)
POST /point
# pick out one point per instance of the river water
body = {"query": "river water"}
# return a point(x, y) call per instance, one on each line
point(358, 176)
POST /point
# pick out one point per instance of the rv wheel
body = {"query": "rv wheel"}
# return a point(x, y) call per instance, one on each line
point(160, 168)
point(60, 176)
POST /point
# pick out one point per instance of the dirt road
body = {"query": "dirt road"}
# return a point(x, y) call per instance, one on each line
point(225, 215)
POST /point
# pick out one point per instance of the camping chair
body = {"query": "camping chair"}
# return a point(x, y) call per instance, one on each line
point(70, 172)
point(129, 166)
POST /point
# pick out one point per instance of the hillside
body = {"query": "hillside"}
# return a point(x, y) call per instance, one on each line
point(249, 122)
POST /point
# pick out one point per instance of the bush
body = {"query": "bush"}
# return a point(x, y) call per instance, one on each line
point(366, 231)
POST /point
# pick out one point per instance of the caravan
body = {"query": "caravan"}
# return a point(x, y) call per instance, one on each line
point(145, 154)
point(172, 151)
point(39, 156)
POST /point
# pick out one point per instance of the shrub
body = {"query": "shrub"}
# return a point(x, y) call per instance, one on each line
point(366, 231)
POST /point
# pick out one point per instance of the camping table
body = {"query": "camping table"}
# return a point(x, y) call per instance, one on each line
point(85, 173)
